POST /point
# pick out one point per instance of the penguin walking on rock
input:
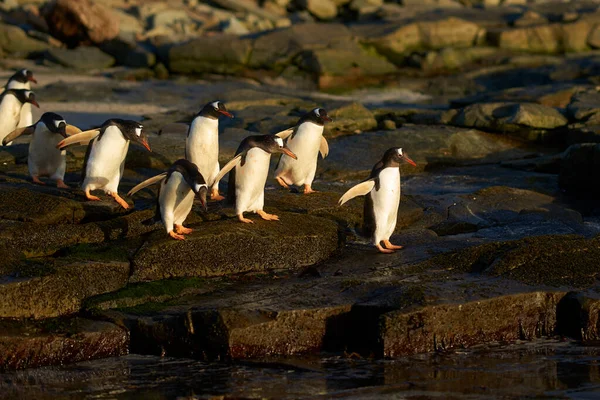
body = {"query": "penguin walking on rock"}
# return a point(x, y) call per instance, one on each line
point(382, 191)
point(105, 157)
point(306, 141)
point(44, 159)
point(249, 169)
point(22, 80)
point(178, 186)
point(11, 104)
point(202, 143)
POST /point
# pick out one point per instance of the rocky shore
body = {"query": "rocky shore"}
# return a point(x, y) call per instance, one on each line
point(496, 101)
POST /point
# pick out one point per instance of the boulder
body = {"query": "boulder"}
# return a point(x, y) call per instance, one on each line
point(77, 22)
point(593, 38)
point(223, 54)
point(350, 119)
point(14, 40)
point(585, 107)
point(22, 204)
point(580, 163)
point(82, 58)
point(169, 17)
point(322, 9)
point(129, 53)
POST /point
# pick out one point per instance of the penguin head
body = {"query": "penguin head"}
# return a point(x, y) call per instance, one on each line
point(54, 123)
point(22, 76)
point(193, 178)
point(395, 156)
point(317, 116)
point(133, 131)
point(274, 144)
point(24, 96)
point(214, 109)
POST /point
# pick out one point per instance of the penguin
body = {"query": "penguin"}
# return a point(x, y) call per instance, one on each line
point(178, 186)
point(11, 103)
point(202, 143)
point(382, 191)
point(306, 141)
point(43, 158)
point(105, 157)
point(22, 80)
point(249, 169)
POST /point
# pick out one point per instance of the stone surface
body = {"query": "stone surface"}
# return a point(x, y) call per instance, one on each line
point(31, 344)
point(350, 119)
point(580, 163)
point(225, 54)
point(22, 204)
point(322, 9)
point(83, 58)
point(78, 22)
point(14, 40)
point(295, 241)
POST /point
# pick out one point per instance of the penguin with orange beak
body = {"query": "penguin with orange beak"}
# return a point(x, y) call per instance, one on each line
point(105, 157)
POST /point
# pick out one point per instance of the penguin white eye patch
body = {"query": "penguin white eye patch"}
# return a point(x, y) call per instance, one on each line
point(57, 123)
point(138, 131)
point(216, 105)
point(400, 152)
point(279, 141)
point(199, 186)
point(317, 112)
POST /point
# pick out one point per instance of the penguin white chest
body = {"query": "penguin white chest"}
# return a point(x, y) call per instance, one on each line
point(385, 203)
point(10, 110)
point(305, 144)
point(250, 180)
point(44, 158)
point(176, 200)
point(106, 160)
point(202, 146)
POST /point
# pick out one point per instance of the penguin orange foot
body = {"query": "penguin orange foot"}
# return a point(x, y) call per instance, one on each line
point(308, 189)
point(282, 182)
point(119, 200)
point(37, 181)
point(90, 196)
point(391, 246)
point(176, 236)
point(61, 184)
point(244, 220)
point(215, 195)
point(267, 216)
point(383, 250)
point(182, 230)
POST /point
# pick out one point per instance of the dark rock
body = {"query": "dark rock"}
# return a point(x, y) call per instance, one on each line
point(580, 163)
point(77, 22)
point(294, 241)
point(449, 326)
point(58, 342)
point(129, 54)
point(39, 290)
point(26, 205)
point(585, 107)
point(223, 54)
point(83, 58)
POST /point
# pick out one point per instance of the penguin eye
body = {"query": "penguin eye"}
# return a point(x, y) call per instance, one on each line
point(57, 123)
point(400, 152)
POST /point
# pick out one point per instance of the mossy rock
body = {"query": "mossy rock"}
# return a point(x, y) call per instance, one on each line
point(349, 119)
point(22, 204)
point(229, 247)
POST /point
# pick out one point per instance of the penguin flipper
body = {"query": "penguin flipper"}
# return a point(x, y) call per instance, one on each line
point(361, 189)
point(81, 138)
point(147, 182)
point(285, 134)
point(28, 130)
point(324, 147)
point(72, 130)
point(228, 167)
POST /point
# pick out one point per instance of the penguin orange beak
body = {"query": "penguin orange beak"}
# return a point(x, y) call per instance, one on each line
point(35, 103)
point(30, 78)
point(326, 118)
point(408, 160)
point(226, 113)
point(144, 143)
point(288, 152)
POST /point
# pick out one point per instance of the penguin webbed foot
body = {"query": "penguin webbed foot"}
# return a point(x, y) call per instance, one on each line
point(216, 196)
point(244, 220)
point(182, 230)
point(176, 236)
point(308, 189)
point(391, 246)
point(90, 196)
point(383, 250)
point(267, 216)
point(120, 200)
point(61, 184)
point(282, 182)
point(37, 181)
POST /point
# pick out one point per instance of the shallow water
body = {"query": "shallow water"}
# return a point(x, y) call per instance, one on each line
point(542, 369)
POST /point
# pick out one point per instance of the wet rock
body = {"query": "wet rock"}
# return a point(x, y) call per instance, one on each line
point(444, 327)
point(83, 58)
point(580, 162)
point(349, 119)
point(224, 54)
point(77, 22)
point(58, 342)
point(294, 241)
point(22, 204)
point(37, 290)
point(14, 40)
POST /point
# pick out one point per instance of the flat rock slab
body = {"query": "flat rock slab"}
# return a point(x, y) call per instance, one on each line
point(55, 290)
point(56, 342)
point(229, 247)
point(449, 326)
point(22, 204)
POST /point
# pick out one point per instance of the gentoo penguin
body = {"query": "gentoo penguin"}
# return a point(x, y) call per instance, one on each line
point(382, 191)
point(306, 141)
point(176, 195)
point(22, 80)
point(43, 158)
point(11, 103)
point(105, 156)
point(202, 143)
point(247, 181)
